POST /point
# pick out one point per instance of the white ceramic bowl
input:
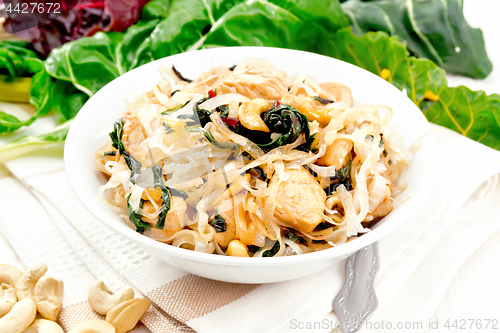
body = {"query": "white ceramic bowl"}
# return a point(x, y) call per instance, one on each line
point(95, 120)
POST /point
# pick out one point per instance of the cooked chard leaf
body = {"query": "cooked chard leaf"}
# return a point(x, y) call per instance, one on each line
point(135, 217)
point(178, 193)
point(272, 252)
point(168, 129)
point(323, 100)
point(223, 110)
point(290, 123)
point(282, 119)
point(109, 153)
point(165, 194)
point(345, 173)
point(291, 235)
point(180, 75)
point(203, 115)
point(116, 136)
point(133, 164)
point(342, 177)
point(218, 222)
point(433, 29)
point(178, 107)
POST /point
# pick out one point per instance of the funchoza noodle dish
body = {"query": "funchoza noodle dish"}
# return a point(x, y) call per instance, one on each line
point(247, 161)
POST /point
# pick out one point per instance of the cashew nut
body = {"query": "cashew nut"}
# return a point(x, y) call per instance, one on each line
point(27, 282)
point(7, 298)
point(9, 274)
point(102, 301)
point(19, 318)
point(93, 326)
point(44, 326)
point(125, 315)
point(249, 114)
point(48, 296)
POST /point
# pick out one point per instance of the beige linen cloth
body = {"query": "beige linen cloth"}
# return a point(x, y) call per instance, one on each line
point(42, 220)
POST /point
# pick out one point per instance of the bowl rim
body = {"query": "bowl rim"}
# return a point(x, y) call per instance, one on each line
point(428, 142)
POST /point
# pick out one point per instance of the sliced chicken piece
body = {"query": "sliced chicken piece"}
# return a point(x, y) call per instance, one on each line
point(300, 200)
point(256, 78)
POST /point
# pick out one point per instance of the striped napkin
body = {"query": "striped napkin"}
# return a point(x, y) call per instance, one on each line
point(32, 231)
point(183, 302)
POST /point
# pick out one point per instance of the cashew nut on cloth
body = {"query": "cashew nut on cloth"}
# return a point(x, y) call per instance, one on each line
point(19, 318)
point(7, 298)
point(126, 315)
point(102, 301)
point(27, 282)
point(48, 296)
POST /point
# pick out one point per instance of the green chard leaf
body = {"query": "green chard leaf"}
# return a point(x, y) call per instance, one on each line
point(272, 252)
point(218, 222)
point(135, 217)
point(28, 144)
point(470, 113)
point(165, 194)
point(13, 54)
point(134, 166)
point(283, 119)
point(433, 29)
point(278, 23)
point(186, 25)
point(116, 136)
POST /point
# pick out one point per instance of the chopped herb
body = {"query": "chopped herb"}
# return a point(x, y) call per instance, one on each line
point(385, 153)
point(272, 252)
point(342, 177)
point(323, 226)
point(345, 173)
point(381, 140)
point(291, 235)
point(223, 110)
point(133, 164)
point(116, 136)
point(180, 75)
point(116, 142)
point(323, 100)
point(178, 193)
point(165, 194)
point(178, 107)
point(218, 222)
point(389, 162)
point(209, 137)
point(203, 115)
point(168, 129)
point(174, 92)
point(109, 153)
point(185, 116)
point(318, 241)
point(135, 217)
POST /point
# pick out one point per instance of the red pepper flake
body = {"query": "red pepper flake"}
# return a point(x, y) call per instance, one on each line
point(211, 94)
point(278, 103)
point(230, 121)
